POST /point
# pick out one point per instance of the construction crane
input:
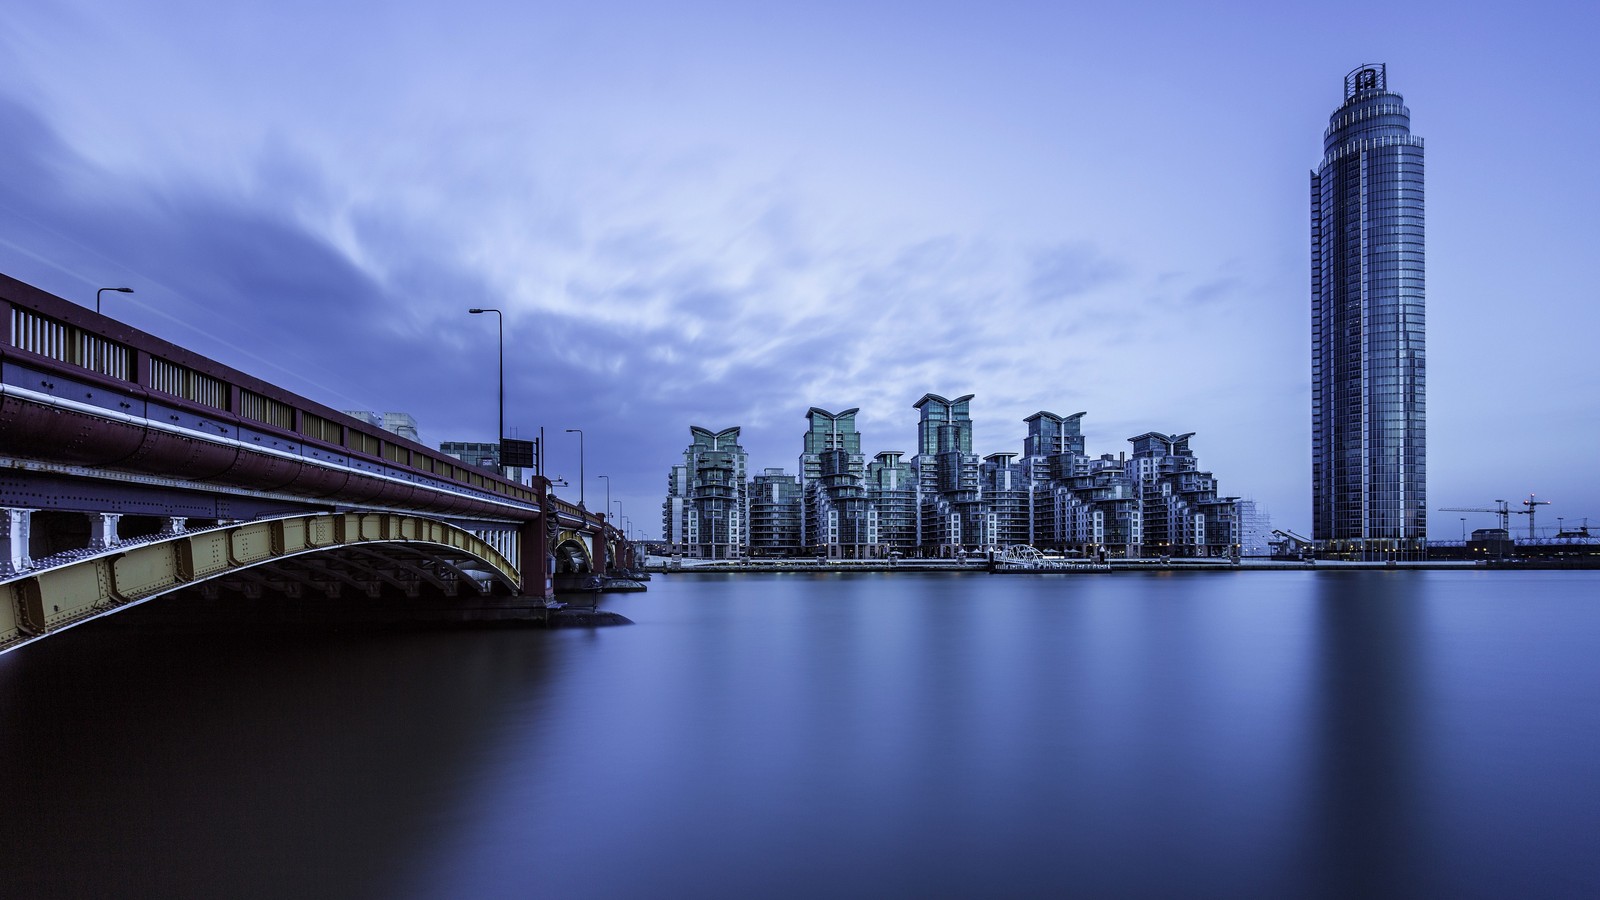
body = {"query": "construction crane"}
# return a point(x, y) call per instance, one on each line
point(1532, 505)
point(1580, 531)
point(1503, 511)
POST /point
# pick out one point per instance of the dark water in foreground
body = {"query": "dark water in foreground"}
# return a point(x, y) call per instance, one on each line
point(1281, 734)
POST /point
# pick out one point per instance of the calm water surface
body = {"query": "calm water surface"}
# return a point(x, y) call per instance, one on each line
point(1282, 734)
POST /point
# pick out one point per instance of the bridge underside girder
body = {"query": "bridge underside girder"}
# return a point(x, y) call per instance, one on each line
point(367, 555)
point(372, 571)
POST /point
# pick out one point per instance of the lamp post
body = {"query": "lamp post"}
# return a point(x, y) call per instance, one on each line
point(580, 463)
point(608, 493)
point(97, 294)
point(501, 433)
point(619, 509)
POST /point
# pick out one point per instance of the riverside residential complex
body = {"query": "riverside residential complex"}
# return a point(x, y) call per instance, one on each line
point(946, 500)
point(1368, 421)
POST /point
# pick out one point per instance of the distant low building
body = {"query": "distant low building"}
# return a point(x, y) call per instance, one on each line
point(474, 453)
point(479, 454)
point(402, 424)
point(1255, 529)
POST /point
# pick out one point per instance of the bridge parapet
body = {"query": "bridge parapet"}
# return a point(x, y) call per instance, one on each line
point(81, 389)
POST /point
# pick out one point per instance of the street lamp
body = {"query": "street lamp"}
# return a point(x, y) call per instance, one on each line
point(580, 463)
point(103, 290)
point(619, 509)
point(608, 492)
point(500, 434)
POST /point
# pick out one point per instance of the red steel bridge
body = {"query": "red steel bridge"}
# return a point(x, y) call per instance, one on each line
point(131, 468)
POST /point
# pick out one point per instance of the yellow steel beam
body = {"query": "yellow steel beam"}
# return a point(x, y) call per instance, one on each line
point(583, 539)
point(35, 604)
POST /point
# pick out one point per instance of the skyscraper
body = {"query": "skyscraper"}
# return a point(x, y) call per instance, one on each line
point(1368, 453)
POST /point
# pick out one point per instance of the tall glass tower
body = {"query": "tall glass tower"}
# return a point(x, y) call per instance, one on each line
point(1368, 452)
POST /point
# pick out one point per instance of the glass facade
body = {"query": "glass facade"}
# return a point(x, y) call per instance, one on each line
point(1368, 374)
point(707, 507)
point(946, 502)
point(837, 520)
point(892, 491)
point(775, 514)
point(1053, 435)
point(1003, 516)
point(947, 475)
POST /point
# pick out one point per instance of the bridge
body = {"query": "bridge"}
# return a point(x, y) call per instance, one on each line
point(131, 469)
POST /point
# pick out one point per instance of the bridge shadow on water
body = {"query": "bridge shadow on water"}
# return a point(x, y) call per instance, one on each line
point(224, 760)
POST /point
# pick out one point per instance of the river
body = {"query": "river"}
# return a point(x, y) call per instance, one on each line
point(1222, 734)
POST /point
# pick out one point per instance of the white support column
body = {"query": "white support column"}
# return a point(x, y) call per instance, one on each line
point(176, 525)
point(14, 540)
point(103, 530)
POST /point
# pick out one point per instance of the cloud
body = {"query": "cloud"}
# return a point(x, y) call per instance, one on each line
point(631, 309)
point(32, 155)
point(1071, 269)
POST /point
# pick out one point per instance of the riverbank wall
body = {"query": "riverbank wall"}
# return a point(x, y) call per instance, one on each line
point(657, 564)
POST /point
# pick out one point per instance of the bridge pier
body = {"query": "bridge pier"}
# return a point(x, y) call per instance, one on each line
point(14, 540)
point(535, 560)
point(601, 562)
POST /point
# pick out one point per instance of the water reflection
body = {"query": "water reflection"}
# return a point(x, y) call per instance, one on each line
point(1364, 808)
point(1229, 734)
point(142, 763)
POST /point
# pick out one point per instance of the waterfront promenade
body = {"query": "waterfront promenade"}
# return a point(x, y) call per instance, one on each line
point(980, 564)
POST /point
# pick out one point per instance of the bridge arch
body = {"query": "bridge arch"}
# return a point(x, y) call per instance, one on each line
point(573, 556)
point(378, 551)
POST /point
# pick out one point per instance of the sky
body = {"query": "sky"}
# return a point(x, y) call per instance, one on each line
point(723, 214)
